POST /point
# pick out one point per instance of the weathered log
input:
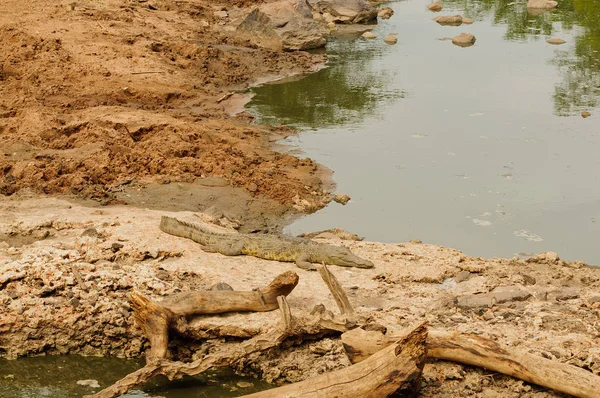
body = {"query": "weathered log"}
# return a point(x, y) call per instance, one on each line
point(339, 295)
point(396, 368)
point(155, 319)
point(227, 355)
point(478, 351)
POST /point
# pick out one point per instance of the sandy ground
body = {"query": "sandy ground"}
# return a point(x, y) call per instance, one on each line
point(110, 117)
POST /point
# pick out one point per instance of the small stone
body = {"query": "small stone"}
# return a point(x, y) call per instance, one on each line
point(252, 187)
point(435, 6)
point(467, 21)
point(544, 4)
point(391, 38)
point(90, 383)
point(528, 280)
point(91, 232)
point(416, 241)
point(116, 246)
point(451, 20)
point(385, 13)
point(369, 35)
point(585, 114)
point(464, 40)
point(221, 14)
point(462, 276)
point(488, 315)
point(341, 198)
point(555, 41)
point(244, 384)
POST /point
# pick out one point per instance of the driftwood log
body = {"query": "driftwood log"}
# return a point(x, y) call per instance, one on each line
point(155, 319)
point(478, 351)
point(395, 369)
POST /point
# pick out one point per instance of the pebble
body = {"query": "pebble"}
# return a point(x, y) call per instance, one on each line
point(369, 35)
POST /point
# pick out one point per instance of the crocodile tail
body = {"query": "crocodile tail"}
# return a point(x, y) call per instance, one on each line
point(184, 229)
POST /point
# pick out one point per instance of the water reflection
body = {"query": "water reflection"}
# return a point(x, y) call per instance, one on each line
point(57, 377)
point(579, 87)
point(344, 93)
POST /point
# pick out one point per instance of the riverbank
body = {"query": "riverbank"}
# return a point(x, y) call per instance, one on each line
point(117, 108)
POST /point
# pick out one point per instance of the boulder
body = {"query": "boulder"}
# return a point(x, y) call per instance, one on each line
point(435, 6)
point(544, 4)
point(346, 11)
point(286, 25)
point(452, 20)
point(464, 40)
point(385, 13)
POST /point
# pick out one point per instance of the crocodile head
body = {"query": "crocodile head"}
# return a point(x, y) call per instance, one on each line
point(340, 255)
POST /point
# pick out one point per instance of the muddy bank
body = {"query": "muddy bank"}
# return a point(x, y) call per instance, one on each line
point(97, 96)
point(66, 270)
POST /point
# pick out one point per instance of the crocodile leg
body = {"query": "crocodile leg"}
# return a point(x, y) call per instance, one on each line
point(303, 262)
point(235, 249)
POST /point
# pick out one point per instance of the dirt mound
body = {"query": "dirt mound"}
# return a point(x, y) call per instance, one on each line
point(98, 94)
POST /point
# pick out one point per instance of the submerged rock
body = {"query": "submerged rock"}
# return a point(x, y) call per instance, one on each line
point(556, 41)
point(451, 20)
point(346, 11)
point(435, 6)
point(369, 35)
point(286, 25)
point(464, 40)
point(545, 4)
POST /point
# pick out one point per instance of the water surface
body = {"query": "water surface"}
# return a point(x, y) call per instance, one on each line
point(57, 376)
point(482, 149)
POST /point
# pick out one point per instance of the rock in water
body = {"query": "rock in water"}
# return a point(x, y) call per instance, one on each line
point(546, 4)
point(89, 382)
point(585, 114)
point(369, 35)
point(391, 38)
point(467, 21)
point(341, 198)
point(435, 6)
point(451, 20)
point(464, 40)
point(346, 11)
point(286, 25)
point(385, 13)
point(556, 41)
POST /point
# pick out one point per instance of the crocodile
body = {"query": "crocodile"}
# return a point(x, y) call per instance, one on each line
point(304, 252)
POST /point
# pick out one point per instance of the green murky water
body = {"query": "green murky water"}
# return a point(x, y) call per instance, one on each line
point(57, 377)
point(482, 148)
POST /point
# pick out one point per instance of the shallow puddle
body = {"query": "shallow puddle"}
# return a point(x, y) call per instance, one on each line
point(58, 377)
point(483, 149)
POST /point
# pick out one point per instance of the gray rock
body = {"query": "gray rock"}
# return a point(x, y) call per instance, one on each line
point(286, 25)
point(566, 293)
point(502, 294)
point(346, 11)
